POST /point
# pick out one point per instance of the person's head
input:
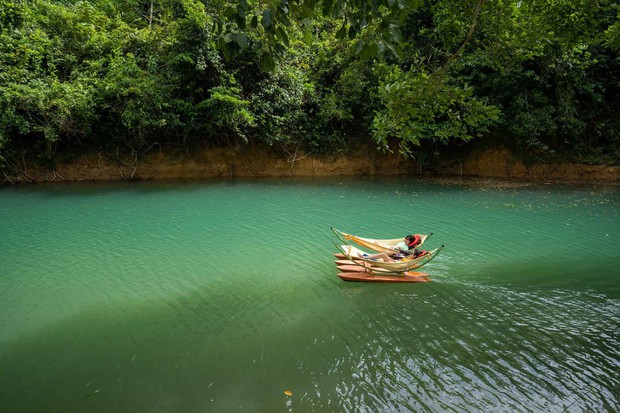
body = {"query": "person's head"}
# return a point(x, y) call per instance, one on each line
point(409, 239)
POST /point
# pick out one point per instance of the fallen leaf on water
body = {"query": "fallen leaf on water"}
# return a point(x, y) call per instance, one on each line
point(288, 392)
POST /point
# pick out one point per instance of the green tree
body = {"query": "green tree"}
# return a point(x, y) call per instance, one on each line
point(418, 106)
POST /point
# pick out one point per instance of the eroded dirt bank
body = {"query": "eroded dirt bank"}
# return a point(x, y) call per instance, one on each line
point(253, 162)
point(498, 163)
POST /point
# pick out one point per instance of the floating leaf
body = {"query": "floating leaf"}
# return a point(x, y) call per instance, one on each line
point(288, 392)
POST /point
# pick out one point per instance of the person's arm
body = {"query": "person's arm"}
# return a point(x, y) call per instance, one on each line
point(401, 247)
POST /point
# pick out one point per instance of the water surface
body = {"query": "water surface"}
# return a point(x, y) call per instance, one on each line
point(219, 296)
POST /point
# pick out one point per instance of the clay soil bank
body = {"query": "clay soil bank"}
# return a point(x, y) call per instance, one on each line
point(254, 162)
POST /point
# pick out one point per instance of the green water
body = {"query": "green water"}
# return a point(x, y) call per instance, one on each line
point(219, 296)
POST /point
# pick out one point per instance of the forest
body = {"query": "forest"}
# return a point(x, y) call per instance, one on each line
point(421, 78)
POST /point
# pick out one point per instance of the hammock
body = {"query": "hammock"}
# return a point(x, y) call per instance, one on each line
point(379, 245)
point(360, 257)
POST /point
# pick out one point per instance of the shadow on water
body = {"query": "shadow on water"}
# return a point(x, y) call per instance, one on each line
point(187, 353)
point(356, 347)
point(569, 275)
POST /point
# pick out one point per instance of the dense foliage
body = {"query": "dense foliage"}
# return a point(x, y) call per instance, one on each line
point(420, 77)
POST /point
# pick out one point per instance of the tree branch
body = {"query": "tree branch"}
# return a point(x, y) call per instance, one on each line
point(470, 33)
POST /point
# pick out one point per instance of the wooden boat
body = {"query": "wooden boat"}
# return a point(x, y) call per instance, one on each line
point(353, 266)
point(364, 273)
point(376, 271)
point(360, 257)
point(365, 277)
point(388, 246)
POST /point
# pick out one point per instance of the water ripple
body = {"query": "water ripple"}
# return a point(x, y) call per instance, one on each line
point(224, 294)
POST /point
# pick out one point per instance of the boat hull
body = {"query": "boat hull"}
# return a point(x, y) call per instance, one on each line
point(376, 271)
point(369, 278)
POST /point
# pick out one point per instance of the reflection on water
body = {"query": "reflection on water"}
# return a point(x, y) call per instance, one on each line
point(221, 296)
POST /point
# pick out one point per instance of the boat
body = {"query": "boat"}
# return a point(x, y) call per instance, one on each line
point(361, 258)
point(353, 266)
point(365, 277)
point(352, 271)
point(388, 246)
point(375, 271)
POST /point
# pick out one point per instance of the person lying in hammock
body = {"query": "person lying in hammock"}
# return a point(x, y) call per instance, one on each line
point(408, 247)
point(411, 241)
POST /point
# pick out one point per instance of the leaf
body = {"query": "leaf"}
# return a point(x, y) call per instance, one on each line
point(281, 34)
point(394, 49)
point(327, 7)
point(242, 40)
point(288, 392)
point(282, 18)
point(230, 12)
point(267, 19)
point(369, 50)
point(352, 32)
point(307, 11)
point(308, 36)
point(267, 63)
point(280, 49)
point(240, 21)
point(342, 32)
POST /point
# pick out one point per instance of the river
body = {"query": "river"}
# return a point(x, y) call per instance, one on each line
point(214, 296)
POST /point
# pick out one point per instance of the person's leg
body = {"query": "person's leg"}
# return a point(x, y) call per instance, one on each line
point(381, 256)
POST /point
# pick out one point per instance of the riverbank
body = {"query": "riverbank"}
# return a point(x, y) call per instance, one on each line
point(261, 162)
